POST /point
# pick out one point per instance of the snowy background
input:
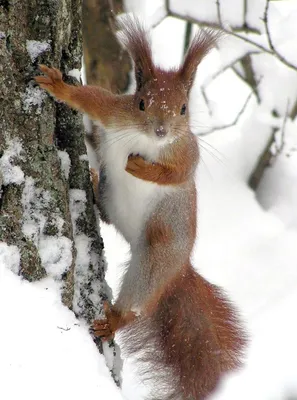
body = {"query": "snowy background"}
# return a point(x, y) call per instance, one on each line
point(247, 241)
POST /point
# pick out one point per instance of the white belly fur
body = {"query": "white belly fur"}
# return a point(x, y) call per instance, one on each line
point(130, 201)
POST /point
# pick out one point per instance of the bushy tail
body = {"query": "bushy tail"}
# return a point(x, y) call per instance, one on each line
point(189, 342)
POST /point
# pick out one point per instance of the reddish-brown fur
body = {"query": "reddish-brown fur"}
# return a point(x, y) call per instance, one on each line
point(195, 333)
point(174, 167)
point(114, 321)
point(158, 233)
point(98, 103)
point(188, 335)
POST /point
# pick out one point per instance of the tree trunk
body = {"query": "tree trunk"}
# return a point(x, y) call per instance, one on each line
point(106, 63)
point(46, 200)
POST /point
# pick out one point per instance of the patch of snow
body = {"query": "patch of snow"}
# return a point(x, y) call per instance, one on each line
point(151, 11)
point(57, 345)
point(56, 255)
point(33, 98)
point(84, 157)
point(34, 201)
point(75, 73)
point(84, 254)
point(10, 257)
point(65, 162)
point(151, 101)
point(277, 191)
point(35, 48)
point(55, 251)
point(199, 11)
point(12, 173)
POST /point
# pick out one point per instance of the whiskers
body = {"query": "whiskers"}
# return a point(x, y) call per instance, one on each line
point(127, 137)
point(207, 147)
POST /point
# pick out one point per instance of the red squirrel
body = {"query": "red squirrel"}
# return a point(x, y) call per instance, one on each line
point(183, 328)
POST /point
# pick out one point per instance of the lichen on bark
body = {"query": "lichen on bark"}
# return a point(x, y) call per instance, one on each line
point(49, 32)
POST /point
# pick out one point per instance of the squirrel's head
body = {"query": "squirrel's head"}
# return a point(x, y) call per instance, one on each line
point(160, 107)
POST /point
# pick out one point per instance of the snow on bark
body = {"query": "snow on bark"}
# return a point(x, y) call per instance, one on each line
point(11, 173)
point(35, 48)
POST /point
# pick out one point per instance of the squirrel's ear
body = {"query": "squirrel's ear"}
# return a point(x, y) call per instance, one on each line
point(202, 43)
point(135, 38)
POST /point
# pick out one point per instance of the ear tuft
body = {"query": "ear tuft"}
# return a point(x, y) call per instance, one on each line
point(136, 39)
point(202, 43)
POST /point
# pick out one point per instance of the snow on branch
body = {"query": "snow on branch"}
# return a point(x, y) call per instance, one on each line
point(233, 123)
point(237, 32)
point(280, 146)
point(271, 45)
point(216, 25)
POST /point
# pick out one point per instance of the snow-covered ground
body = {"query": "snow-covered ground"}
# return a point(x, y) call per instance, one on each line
point(247, 243)
point(45, 352)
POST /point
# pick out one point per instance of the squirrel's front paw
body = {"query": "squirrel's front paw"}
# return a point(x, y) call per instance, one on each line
point(142, 169)
point(135, 163)
point(106, 328)
point(52, 82)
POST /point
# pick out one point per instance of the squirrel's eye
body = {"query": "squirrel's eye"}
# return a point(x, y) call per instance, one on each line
point(141, 105)
point(183, 110)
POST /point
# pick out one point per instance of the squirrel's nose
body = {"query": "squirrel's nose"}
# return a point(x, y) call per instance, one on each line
point(161, 131)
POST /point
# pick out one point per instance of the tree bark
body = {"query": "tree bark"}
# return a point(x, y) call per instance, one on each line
point(42, 204)
point(106, 63)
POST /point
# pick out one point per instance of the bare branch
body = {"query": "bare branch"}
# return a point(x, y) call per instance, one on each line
point(189, 28)
point(227, 66)
point(263, 162)
point(238, 73)
point(63, 329)
point(271, 50)
point(204, 95)
point(235, 31)
point(293, 112)
point(266, 158)
point(214, 25)
point(271, 45)
point(219, 12)
point(279, 149)
point(220, 127)
point(245, 10)
point(249, 79)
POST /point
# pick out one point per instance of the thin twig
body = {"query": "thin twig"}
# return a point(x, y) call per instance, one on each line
point(204, 95)
point(227, 66)
point(293, 112)
point(189, 28)
point(271, 50)
point(159, 21)
point(218, 73)
point(271, 45)
point(63, 329)
point(219, 12)
point(238, 73)
point(221, 127)
point(216, 26)
point(249, 74)
point(279, 149)
point(245, 10)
